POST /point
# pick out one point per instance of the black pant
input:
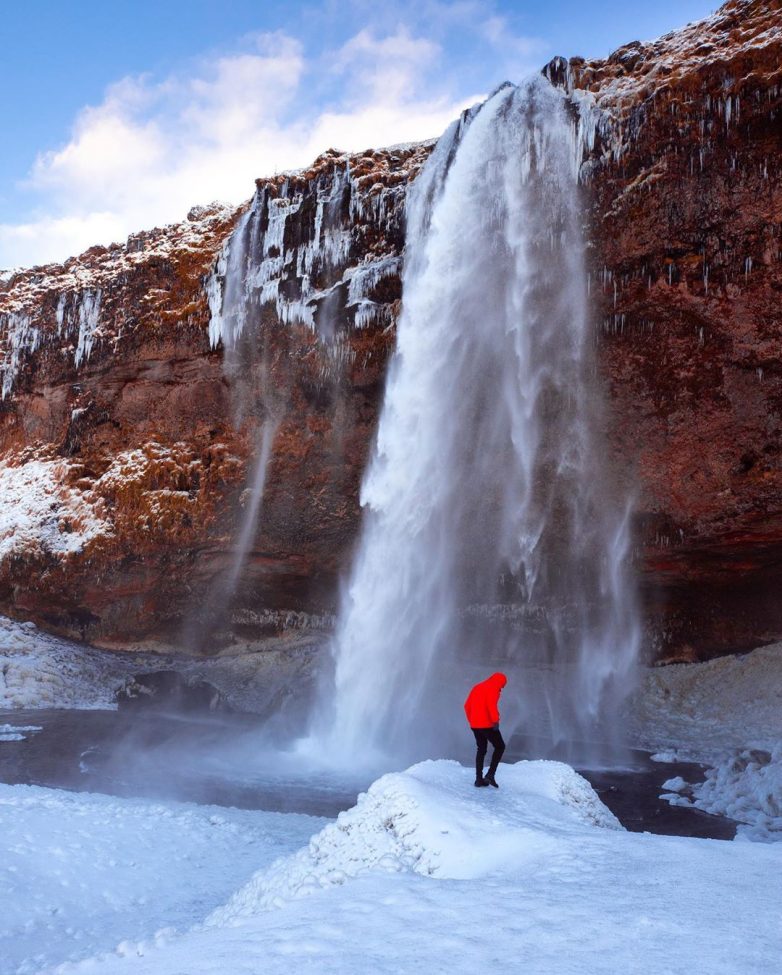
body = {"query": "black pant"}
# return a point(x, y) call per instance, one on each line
point(482, 737)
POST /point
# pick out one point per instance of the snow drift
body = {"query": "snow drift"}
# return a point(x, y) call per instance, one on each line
point(38, 670)
point(430, 820)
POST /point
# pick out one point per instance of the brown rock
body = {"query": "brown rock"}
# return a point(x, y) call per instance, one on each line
point(685, 224)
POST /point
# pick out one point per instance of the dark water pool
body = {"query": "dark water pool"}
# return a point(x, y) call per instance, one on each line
point(215, 759)
point(222, 760)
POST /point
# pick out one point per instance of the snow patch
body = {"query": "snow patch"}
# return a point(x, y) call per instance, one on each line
point(668, 757)
point(674, 785)
point(41, 514)
point(14, 732)
point(42, 671)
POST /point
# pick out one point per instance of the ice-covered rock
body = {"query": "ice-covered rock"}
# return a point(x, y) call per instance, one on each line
point(746, 786)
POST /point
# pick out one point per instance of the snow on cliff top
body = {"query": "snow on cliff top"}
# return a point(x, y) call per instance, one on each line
point(637, 69)
point(204, 229)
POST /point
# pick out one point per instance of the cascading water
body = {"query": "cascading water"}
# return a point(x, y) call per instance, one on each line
point(493, 537)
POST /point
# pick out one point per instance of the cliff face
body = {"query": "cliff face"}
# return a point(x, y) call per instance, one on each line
point(125, 431)
point(687, 223)
point(126, 438)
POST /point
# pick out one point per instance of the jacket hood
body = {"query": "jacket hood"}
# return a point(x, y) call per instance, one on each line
point(498, 679)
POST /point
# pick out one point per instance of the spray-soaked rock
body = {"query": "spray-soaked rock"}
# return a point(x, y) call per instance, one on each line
point(169, 690)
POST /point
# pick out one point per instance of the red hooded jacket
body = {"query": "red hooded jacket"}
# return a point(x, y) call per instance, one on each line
point(481, 704)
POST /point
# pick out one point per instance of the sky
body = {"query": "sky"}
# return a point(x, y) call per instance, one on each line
point(122, 115)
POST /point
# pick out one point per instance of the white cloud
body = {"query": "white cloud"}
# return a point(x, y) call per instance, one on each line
point(387, 68)
point(152, 148)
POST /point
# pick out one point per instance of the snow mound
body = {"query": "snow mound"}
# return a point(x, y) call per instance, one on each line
point(38, 670)
point(702, 710)
point(430, 820)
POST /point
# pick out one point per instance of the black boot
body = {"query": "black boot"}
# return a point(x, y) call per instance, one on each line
point(480, 781)
point(490, 780)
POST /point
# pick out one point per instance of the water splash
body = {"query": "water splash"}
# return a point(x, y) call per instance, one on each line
point(492, 533)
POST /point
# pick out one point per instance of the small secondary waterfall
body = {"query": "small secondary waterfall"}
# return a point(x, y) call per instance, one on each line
point(255, 399)
point(493, 537)
point(293, 282)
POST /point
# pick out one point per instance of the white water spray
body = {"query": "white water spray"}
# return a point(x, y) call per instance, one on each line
point(492, 537)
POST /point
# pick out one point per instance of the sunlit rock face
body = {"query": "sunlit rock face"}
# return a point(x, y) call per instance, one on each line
point(687, 225)
point(125, 446)
point(125, 459)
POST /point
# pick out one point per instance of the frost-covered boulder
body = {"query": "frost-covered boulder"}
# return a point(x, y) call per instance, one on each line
point(430, 820)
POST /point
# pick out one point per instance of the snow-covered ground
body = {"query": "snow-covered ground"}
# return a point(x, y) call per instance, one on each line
point(726, 713)
point(428, 874)
point(425, 873)
point(80, 874)
point(42, 671)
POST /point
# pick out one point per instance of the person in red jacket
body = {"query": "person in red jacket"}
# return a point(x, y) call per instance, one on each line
point(481, 708)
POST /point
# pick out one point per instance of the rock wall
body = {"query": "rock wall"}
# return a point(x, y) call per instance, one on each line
point(687, 225)
point(126, 438)
point(125, 431)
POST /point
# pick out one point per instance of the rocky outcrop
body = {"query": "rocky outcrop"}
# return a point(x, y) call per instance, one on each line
point(127, 432)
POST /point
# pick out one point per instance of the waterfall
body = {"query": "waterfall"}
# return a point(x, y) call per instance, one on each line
point(493, 535)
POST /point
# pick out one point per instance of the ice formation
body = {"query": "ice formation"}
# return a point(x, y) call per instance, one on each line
point(291, 252)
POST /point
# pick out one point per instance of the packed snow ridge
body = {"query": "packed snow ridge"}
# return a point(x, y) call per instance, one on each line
point(430, 820)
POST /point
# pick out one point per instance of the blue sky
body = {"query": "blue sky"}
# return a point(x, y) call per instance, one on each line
point(120, 115)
